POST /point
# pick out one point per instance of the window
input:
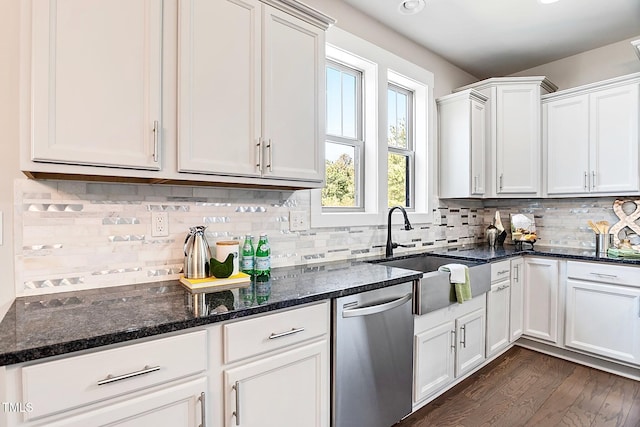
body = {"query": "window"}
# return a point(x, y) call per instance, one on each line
point(400, 157)
point(379, 138)
point(344, 146)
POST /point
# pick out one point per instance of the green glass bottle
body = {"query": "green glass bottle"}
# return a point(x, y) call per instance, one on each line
point(262, 266)
point(248, 254)
point(263, 289)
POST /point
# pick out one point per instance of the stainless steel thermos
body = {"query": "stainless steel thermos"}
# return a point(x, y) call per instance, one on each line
point(197, 254)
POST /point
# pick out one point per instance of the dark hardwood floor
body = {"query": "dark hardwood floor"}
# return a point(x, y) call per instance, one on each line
point(526, 388)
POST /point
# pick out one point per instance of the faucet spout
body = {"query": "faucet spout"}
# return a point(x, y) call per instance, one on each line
point(407, 226)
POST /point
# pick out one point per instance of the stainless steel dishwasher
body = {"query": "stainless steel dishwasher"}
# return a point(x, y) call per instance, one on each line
point(372, 357)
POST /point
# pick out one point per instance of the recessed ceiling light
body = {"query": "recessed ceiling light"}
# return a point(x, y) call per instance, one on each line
point(410, 7)
point(547, 1)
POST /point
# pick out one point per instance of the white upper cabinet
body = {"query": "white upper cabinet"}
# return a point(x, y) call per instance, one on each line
point(513, 135)
point(254, 106)
point(591, 138)
point(211, 92)
point(461, 127)
point(96, 82)
point(219, 87)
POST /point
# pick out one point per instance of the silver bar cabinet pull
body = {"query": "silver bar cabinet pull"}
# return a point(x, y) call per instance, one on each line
point(111, 379)
point(453, 340)
point(593, 180)
point(501, 180)
point(236, 413)
point(463, 341)
point(203, 411)
point(259, 153)
point(274, 335)
point(156, 130)
point(270, 164)
point(586, 187)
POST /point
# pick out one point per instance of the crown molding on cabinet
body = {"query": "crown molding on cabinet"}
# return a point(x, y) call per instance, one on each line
point(545, 83)
point(302, 11)
point(636, 47)
point(615, 81)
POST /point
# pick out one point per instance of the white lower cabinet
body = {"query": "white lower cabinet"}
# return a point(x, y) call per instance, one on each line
point(449, 343)
point(175, 406)
point(516, 296)
point(282, 379)
point(603, 310)
point(160, 382)
point(541, 297)
point(498, 307)
point(286, 389)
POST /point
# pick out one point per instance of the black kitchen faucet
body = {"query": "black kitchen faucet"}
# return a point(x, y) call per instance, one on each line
point(407, 226)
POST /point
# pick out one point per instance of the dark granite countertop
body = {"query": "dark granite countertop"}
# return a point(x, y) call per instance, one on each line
point(41, 326)
point(47, 325)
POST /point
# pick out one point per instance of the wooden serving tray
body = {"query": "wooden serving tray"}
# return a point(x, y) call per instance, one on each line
point(212, 284)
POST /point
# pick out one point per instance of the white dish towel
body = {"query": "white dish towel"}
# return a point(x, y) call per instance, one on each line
point(457, 272)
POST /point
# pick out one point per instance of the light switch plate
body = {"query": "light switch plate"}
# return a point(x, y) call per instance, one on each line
point(298, 221)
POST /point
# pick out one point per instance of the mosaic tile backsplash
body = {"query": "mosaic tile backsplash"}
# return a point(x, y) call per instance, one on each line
point(77, 235)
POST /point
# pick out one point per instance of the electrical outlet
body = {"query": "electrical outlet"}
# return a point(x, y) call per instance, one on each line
point(298, 221)
point(159, 224)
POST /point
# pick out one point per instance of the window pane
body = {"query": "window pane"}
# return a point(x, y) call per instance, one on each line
point(340, 187)
point(334, 97)
point(397, 110)
point(348, 106)
point(398, 177)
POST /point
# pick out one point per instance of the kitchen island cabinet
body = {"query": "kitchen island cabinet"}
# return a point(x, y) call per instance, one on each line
point(596, 126)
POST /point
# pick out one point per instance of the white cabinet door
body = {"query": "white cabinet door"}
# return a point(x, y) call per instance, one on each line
point(254, 107)
point(293, 103)
point(498, 302)
point(518, 142)
point(434, 359)
point(175, 406)
point(603, 319)
point(541, 299)
point(470, 336)
point(96, 82)
point(614, 139)
point(462, 135)
point(220, 82)
point(566, 133)
point(516, 317)
point(478, 148)
point(286, 389)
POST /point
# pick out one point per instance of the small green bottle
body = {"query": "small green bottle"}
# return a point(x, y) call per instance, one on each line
point(262, 266)
point(247, 255)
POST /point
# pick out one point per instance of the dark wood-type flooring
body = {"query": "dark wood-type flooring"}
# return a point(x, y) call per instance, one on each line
point(526, 388)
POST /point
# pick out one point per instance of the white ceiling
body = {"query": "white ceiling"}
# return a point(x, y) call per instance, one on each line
point(490, 38)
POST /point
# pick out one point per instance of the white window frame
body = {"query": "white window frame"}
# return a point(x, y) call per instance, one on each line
point(379, 67)
point(409, 151)
point(357, 143)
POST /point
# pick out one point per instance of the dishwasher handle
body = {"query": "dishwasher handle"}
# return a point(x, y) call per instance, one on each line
point(378, 308)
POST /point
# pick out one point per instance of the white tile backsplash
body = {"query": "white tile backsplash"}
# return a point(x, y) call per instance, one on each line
point(75, 235)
